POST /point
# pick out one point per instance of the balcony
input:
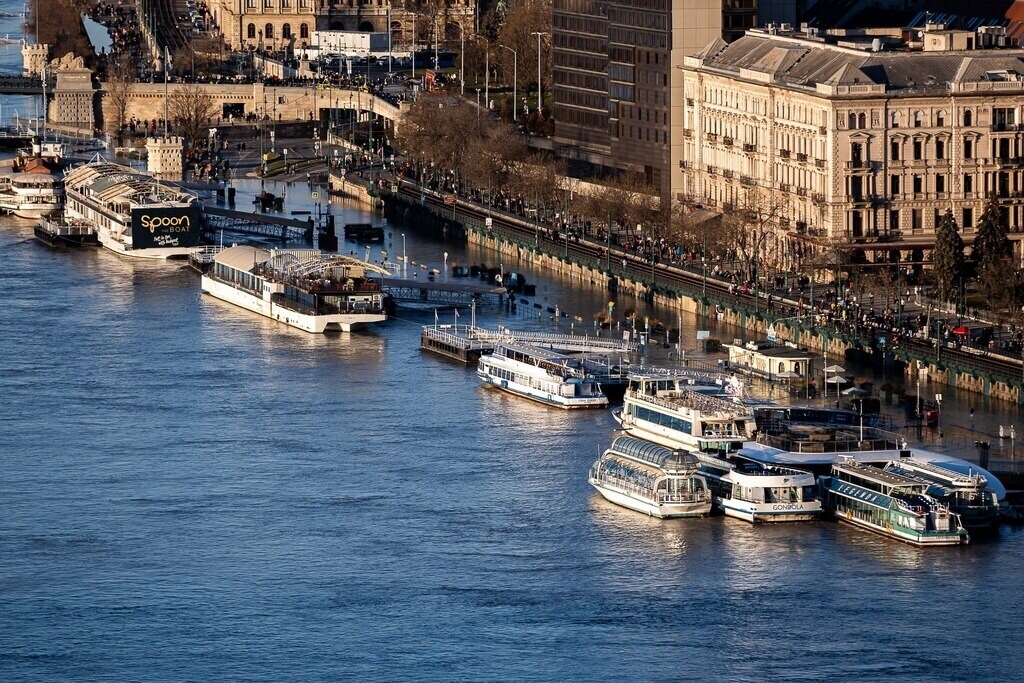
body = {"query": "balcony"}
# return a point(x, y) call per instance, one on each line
point(687, 133)
point(712, 137)
point(684, 164)
point(820, 163)
point(818, 198)
point(1005, 127)
point(747, 147)
point(801, 191)
point(801, 157)
point(784, 187)
point(784, 153)
point(727, 173)
point(746, 180)
point(712, 170)
point(727, 142)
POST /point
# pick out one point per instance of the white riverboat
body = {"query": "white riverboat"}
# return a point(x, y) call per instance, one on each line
point(891, 504)
point(686, 410)
point(33, 188)
point(761, 493)
point(651, 479)
point(540, 375)
point(966, 494)
point(303, 288)
point(133, 213)
point(815, 440)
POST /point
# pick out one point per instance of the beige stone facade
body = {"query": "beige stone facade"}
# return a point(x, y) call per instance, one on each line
point(858, 141)
point(274, 24)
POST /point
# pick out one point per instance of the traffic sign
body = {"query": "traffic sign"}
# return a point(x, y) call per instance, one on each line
point(316, 195)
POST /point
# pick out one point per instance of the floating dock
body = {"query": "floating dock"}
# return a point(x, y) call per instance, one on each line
point(467, 343)
point(60, 233)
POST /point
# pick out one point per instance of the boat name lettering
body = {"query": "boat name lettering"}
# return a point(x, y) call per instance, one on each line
point(177, 223)
point(788, 506)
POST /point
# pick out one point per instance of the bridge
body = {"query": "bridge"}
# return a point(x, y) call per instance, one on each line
point(282, 103)
point(23, 85)
point(257, 224)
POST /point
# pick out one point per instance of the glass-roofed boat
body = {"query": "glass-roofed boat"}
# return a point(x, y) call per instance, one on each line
point(651, 479)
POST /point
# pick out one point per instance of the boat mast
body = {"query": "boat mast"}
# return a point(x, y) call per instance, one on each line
point(166, 71)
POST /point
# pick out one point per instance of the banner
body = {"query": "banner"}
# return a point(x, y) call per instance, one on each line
point(166, 227)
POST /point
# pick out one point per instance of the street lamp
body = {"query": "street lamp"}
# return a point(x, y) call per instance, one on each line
point(515, 81)
point(540, 99)
point(478, 103)
point(405, 256)
point(462, 60)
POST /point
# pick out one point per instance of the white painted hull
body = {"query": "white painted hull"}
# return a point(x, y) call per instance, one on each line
point(921, 540)
point(659, 435)
point(650, 507)
point(549, 399)
point(33, 211)
point(771, 512)
point(115, 245)
point(315, 324)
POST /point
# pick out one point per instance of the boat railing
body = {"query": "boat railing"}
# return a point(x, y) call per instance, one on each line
point(830, 446)
point(707, 405)
point(451, 335)
point(631, 486)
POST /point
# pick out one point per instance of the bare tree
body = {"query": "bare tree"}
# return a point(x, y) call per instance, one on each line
point(191, 109)
point(119, 87)
point(750, 226)
point(516, 31)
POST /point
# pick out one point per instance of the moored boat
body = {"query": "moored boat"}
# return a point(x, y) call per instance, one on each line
point(133, 213)
point(749, 490)
point(543, 376)
point(651, 479)
point(303, 288)
point(686, 410)
point(890, 504)
point(966, 495)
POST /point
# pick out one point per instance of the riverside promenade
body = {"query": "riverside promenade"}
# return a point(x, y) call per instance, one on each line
point(767, 313)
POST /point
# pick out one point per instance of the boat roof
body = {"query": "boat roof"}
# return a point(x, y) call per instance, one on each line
point(769, 454)
point(650, 453)
point(108, 182)
point(877, 474)
point(242, 257)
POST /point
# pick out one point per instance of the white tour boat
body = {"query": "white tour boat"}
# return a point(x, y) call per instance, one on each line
point(134, 214)
point(34, 188)
point(761, 493)
point(815, 441)
point(541, 375)
point(891, 504)
point(304, 288)
point(651, 479)
point(686, 410)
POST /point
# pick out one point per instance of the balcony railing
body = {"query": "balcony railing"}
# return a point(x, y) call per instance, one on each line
point(746, 180)
point(1003, 126)
point(727, 142)
point(727, 173)
point(784, 153)
point(747, 147)
point(820, 163)
point(800, 156)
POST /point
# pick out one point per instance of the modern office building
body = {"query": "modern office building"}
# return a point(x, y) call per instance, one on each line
point(616, 77)
point(855, 139)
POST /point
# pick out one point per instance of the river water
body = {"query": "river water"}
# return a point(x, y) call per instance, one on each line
point(191, 492)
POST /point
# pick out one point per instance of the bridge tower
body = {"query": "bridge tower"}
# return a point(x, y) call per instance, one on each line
point(164, 157)
point(33, 59)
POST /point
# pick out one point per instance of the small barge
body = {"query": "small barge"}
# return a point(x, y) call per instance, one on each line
point(60, 232)
point(542, 376)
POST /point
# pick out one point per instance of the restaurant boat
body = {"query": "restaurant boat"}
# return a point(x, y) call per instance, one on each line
point(966, 495)
point(755, 492)
point(818, 445)
point(891, 504)
point(133, 213)
point(34, 188)
point(303, 288)
point(686, 410)
point(540, 375)
point(651, 479)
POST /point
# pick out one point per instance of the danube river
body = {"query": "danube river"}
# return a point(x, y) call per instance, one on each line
point(190, 492)
point(194, 493)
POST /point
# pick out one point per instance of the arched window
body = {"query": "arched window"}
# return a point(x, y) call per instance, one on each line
point(862, 121)
point(251, 31)
point(268, 31)
point(851, 121)
point(286, 31)
point(895, 120)
point(303, 31)
point(918, 119)
point(940, 119)
point(968, 118)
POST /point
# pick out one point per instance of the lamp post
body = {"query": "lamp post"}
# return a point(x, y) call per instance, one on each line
point(515, 81)
point(405, 255)
point(462, 60)
point(389, 38)
point(540, 98)
point(478, 104)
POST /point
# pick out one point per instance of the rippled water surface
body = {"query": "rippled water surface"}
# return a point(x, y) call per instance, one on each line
point(190, 492)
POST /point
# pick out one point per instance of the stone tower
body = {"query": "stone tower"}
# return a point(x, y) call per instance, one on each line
point(165, 157)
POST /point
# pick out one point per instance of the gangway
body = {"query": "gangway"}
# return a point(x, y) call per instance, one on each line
point(468, 342)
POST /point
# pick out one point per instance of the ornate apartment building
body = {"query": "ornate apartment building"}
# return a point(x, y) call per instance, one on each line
point(276, 24)
point(855, 139)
